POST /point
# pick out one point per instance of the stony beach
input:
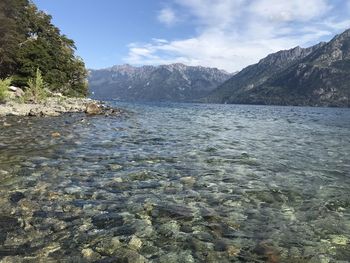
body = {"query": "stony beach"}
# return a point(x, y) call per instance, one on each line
point(55, 106)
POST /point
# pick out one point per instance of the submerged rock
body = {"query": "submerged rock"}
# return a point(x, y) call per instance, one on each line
point(321, 259)
point(169, 229)
point(55, 134)
point(183, 256)
point(267, 252)
point(339, 240)
point(135, 243)
point(129, 256)
point(186, 228)
point(125, 230)
point(175, 211)
point(16, 196)
point(7, 224)
point(108, 220)
point(233, 251)
point(220, 245)
point(89, 254)
point(188, 180)
point(108, 246)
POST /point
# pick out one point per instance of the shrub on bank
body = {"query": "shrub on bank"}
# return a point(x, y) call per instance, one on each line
point(36, 90)
point(4, 86)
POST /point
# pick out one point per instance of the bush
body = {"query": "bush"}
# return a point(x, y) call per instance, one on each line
point(36, 90)
point(4, 85)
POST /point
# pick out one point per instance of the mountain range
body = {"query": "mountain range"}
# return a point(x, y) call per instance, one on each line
point(174, 82)
point(314, 76)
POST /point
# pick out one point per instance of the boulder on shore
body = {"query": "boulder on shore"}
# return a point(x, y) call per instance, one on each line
point(93, 109)
point(12, 88)
point(15, 92)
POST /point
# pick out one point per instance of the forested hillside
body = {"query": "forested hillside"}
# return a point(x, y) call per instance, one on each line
point(29, 41)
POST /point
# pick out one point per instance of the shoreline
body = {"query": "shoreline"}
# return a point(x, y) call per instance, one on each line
point(56, 106)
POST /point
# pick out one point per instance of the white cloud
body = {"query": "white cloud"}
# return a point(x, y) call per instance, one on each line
point(293, 10)
point(167, 16)
point(217, 13)
point(231, 34)
point(337, 25)
point(160, 40)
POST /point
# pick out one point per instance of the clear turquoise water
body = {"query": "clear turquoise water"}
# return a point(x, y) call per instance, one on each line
point(177, 183)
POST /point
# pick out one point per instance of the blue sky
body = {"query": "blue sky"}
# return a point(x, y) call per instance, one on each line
point(227, 34)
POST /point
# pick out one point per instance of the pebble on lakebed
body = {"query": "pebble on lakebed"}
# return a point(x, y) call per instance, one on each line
point(54, 106)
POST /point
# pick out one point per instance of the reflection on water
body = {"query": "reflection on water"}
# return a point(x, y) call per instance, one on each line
point(177, 183)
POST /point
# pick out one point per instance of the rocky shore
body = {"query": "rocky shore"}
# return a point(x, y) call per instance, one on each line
point(56, 106)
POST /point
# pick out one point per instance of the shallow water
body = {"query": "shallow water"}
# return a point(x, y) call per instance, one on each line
point(177, 183)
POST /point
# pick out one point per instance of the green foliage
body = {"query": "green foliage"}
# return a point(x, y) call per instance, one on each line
point(28, 40)
point(4, 85)
point(36, 90)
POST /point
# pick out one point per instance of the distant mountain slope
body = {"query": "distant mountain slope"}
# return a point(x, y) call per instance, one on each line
point(255, 75)
point(316, 76)
point(175, 82)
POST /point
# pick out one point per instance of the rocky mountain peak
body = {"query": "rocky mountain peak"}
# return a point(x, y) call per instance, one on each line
point(284, 56)
point(175, 66)
point(337, 49)
point(126, 68)
point(174, 82)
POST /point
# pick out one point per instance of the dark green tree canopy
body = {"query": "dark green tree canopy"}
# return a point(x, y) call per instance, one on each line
point(29, 41)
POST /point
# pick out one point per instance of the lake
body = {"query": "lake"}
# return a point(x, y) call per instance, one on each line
point(177, 183)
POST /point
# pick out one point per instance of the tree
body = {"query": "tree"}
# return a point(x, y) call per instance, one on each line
point(29, 41)
point(11, 34)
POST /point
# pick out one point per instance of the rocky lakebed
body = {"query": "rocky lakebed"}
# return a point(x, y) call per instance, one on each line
point(176, 183)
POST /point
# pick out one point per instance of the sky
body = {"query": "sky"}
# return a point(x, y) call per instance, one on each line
point(226, 34)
